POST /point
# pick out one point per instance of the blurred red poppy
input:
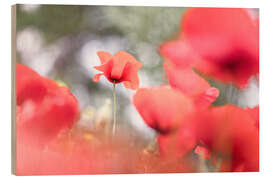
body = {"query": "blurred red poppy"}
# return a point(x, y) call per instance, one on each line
point(162, 107)
point(191, 84)
point(43, 107)
point(220, 42)
point(227, 40)
point(121, 67)
point(228, 132)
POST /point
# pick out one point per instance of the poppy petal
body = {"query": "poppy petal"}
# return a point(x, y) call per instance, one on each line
point(104, 56)
point(162, 107)
point(185, 80)
point(126, 56)
point(207, 98)
point(130, 77)
point(178, 53)
point(118, 68)
point(227, 41)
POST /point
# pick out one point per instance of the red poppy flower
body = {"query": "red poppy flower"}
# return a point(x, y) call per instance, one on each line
point(220, 42)
point(121, 67)
point(43, 107)
point(227, 39)
point(191, 84)
point(162, 107)
point(233, 139)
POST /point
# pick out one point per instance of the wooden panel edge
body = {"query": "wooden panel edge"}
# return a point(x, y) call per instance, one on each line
point(13, 90)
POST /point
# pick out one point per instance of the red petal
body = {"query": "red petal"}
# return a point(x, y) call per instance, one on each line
point(178, 53)
point(177, 144)
point(210, 30)
point(41, 120)
point(207, 98)
point(130, 77)
point(230, 132)
point(186, 80)
point(104, 56)
point(121, 55)
point(162, 108)
point(29, 84)
point(227, 39)
point(121, 59)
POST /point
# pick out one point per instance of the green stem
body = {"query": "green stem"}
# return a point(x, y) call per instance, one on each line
point(114, 109)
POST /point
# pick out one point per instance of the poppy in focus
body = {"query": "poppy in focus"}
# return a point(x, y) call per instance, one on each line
point(121, 67)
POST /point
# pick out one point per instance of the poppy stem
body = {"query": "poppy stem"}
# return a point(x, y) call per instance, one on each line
point(114, 109)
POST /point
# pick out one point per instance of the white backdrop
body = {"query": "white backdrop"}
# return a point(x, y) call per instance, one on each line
point(5, 85)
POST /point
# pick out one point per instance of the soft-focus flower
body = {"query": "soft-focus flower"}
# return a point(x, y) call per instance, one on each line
point(230, 134)
point(121, 67)
point(228, 41)
point(220, 42)
point(162, 108)
point(191, 84)
point(43, 107)
point(177, 144)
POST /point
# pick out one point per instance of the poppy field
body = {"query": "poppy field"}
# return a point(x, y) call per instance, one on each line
point(128, 90)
